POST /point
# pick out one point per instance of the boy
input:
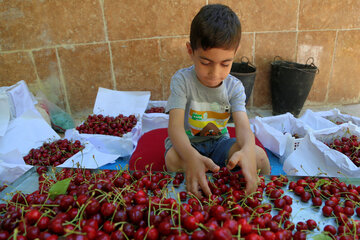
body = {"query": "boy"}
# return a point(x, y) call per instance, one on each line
point(201, 100)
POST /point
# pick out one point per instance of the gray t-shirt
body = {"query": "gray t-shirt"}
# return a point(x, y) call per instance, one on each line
point(207, 110)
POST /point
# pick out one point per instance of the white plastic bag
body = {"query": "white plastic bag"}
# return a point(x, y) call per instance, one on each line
point(12, 166)
point(120, 146)
point(4, 112)
point(112, 103)
point(316, 122)
point(20, 98)
point(314, 158)
point(335, 116)
point(15, 100)
point(151, 121)
point(276, 133)
point(89, 157)
point(28, 131)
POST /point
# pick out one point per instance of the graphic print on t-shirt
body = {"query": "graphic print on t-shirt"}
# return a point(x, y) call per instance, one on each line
point(207, 119)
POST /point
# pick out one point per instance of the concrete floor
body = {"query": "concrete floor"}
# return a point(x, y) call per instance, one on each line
point(351, 109)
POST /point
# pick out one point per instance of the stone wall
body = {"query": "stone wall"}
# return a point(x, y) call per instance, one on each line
point(69, 48)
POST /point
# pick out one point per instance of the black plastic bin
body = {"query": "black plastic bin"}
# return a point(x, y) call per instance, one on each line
point(245, 72)
point(291, 83)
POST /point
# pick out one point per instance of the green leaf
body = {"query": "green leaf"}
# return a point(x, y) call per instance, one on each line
point(59, 188)
point(321, 236)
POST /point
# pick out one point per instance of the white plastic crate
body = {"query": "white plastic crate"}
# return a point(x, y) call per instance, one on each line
point(297, 142)
point(276, 133)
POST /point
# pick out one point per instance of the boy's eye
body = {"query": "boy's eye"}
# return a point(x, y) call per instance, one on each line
point(225, 65)
point(205, 63)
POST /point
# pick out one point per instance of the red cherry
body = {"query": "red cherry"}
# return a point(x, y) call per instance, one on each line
point(32, 216)
point(311, 224)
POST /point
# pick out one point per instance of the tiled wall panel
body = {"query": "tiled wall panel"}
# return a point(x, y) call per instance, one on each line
point(67, 49)
point(36, 24)
point(85, 69)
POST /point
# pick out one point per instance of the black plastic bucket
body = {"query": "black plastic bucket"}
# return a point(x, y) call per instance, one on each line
point(290, 85)
point(245, 72)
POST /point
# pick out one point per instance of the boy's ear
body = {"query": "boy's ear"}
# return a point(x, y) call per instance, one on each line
point(189, 49)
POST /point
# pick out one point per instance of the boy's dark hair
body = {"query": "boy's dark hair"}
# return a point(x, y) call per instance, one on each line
point(215, 26)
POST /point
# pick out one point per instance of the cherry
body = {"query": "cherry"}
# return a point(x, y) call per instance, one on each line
point(152, 233)
point(330, 229)
point(198, 235)
point(93, 207)
point(280, 202)
point(289, 225)
point(305, 196)
point(316, 201)
point(358, 211)
point(43, 223)
point(90, 232)
point(107, 209)
point(32, 216)
point(268, 235)
point(32, 232)
point(327, 211)
point(311, 224)
point(299, 190)
point(300, 235)
point(164, 228)
point(108, 227)
point(135, 215)
point(222, 233)
point(129, 229)
point(117, 235)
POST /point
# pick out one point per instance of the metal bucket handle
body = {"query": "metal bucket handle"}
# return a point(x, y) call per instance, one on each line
point(247, 61)
point(312, 64)
point(307, 63)
point(280, 58)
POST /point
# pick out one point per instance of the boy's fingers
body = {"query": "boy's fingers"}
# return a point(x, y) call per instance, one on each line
point(192, 186)
point(209, 164)
point(205, 186)
point(251, 185)
point(231, 163)
point(250, 188)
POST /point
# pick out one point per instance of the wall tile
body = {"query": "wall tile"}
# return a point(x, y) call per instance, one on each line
point(344, 83)
point(15, 67)
point(267, 46)
point(137, 66)
point(246, 47)
point(320, 46)
point(264, 15)
point(335, 14)
point(85, 69)
point(34, 24)
point(174, 56)
point(139, 19)
point(48, 73)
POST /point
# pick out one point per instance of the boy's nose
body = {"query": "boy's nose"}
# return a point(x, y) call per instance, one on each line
point(214, 72)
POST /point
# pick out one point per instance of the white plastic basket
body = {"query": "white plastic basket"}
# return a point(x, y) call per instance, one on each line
point(297, 142)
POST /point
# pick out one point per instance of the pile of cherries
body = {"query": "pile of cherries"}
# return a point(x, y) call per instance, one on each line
point(149, 205)
point(348, 146)
point(155, 110)
point(54, 153)
point(107, 125)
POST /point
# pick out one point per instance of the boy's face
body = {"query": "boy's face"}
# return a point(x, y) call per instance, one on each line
point(213, 65)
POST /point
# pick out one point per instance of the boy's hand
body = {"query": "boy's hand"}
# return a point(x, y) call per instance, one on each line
point(248, 167)
point(195, 174)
